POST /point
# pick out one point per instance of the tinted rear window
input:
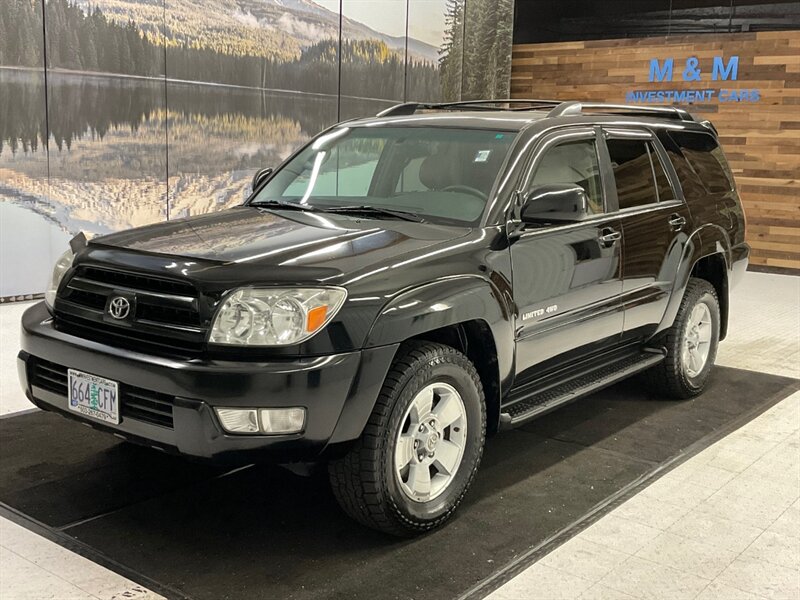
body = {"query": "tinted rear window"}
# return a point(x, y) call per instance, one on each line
point(705, 156)
point(633, 172)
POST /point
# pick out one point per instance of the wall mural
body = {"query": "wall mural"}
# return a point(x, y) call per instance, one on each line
point(119, 113)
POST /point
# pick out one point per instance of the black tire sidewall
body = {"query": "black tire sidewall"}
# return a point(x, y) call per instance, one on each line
point(438, 369)
point(697, 383)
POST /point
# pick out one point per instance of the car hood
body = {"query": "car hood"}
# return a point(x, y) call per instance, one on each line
point(260, 237)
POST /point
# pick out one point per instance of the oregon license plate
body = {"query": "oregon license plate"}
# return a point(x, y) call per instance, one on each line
point(94, 396)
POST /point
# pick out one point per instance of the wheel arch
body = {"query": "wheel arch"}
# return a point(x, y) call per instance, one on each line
point(475, 340)
point(468, 313)
point(706, 256)
point(713, 268)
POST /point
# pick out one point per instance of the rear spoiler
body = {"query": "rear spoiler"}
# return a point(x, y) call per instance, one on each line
point(710, 126)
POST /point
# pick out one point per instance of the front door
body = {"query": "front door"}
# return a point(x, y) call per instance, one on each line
point(655, 222)
point(567, 276)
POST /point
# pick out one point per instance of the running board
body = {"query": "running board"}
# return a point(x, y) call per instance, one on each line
point(549, 397)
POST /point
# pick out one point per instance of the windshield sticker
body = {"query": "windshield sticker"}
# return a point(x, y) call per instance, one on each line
point(482, 156)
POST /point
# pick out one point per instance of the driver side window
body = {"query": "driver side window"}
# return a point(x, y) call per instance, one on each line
point(572, 162)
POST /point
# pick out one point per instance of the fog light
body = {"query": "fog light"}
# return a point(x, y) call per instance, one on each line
point(238, 420)
point(266, 420)
point(283, 420)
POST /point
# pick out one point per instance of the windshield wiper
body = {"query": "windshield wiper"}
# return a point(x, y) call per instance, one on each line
point(374, 210)
point(283, 204)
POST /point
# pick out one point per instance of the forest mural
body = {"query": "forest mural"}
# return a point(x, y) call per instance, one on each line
point(119, 113)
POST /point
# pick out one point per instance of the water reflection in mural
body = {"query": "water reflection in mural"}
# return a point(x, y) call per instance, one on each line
point(219, 137)
point(30, 232)
point(160, 109)
point(107, 153)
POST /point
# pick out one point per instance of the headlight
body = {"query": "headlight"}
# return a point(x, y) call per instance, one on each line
point(62, 265)
point(275, 316)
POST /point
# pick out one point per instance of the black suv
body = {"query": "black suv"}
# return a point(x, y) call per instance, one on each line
point(400, 287)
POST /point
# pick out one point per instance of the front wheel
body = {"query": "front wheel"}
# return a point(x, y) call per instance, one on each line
point(421, 447)
point(691, 344)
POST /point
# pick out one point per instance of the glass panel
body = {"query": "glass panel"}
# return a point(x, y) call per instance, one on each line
point(256, 113)
point(663, 186)
point(707, 159)
point(435, 48)
point(487, 49)
point(633, 172)
point(573, 162)
point(106, 114)
point(346, 170)
point(689, 181)
point(436, 173)
point(31, 235)
point(373, 56)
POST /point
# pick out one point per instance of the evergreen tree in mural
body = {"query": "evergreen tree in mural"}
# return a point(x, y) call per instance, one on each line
point(476, 56)
point(451, 53)
point(20, 33)
point(88, 41)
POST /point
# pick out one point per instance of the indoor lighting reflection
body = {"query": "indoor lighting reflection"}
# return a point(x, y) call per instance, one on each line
point(323, 140)
point(314, 174)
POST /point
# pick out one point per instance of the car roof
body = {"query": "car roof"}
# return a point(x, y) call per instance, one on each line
point(516, 114)
point(469, 119)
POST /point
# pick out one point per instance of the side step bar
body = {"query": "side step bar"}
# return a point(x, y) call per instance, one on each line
point(549, 397)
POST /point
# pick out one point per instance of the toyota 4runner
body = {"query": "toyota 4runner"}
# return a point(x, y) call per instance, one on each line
point(400, 287)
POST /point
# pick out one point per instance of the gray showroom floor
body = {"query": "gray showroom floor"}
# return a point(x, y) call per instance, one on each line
point(724, 524)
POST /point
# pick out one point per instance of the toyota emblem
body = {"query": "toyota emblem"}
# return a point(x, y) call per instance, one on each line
point(119, 307)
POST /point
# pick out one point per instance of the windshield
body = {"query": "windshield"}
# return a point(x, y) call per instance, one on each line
point(438, 174)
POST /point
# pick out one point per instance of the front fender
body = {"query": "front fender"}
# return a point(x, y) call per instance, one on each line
point(440, 303)
point(415, 311)
point(449, 301)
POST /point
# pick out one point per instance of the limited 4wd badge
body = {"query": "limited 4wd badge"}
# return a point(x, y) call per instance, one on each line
point(533, 314)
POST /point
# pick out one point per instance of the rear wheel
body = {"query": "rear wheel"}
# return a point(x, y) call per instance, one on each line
point(421, 447)
point(691, 344)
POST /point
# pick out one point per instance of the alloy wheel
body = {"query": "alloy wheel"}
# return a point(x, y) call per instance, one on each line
point(697, 340)
point(430, 444)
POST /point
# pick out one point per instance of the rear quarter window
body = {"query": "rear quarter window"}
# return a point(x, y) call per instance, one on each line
point(705, 158)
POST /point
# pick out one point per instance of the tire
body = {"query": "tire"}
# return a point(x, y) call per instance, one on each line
point(368, 481)
point(676, 376)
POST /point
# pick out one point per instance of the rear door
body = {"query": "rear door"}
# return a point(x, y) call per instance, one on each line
point(567, 277)
point(655, 225)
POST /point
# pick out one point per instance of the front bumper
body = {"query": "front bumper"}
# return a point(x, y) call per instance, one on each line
point(337, 391)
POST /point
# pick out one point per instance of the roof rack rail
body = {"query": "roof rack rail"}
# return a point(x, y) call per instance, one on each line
point(572, 108)
point(409, 108)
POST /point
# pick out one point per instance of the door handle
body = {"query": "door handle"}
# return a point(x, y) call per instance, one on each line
point(609, 237)
point(677, 222)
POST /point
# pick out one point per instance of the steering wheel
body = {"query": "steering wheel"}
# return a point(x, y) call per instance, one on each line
point(465, 189)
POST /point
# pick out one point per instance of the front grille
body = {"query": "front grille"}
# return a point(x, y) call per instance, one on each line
point(167, 314)
point(166, 319)
point(135, 403)
point(146, 405)
point(49, 376)
point(122, 279)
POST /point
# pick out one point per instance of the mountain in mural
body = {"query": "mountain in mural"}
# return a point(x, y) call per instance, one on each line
point(277, 29)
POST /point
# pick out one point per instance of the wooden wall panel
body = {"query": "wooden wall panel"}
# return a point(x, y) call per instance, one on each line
point(761, 139)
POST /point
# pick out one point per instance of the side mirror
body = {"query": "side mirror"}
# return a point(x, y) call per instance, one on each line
point(555, 202)
point(260, 176)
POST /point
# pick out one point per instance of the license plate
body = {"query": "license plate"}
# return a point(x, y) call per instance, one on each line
point(94, 396)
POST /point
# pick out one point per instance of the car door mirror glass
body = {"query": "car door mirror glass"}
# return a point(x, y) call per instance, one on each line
point(565, 202)
point(260, 176)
